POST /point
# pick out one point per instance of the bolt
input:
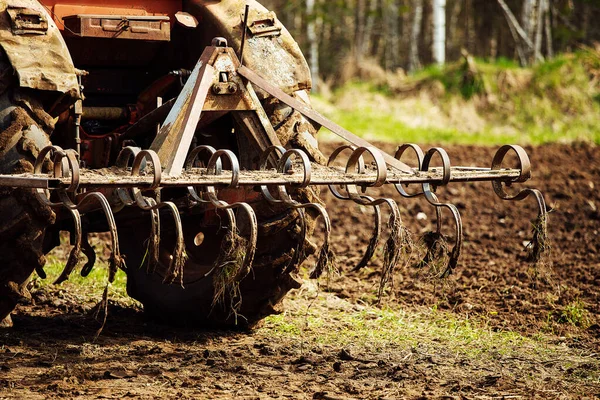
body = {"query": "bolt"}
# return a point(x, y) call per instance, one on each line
point(232, 88)
point(217, 89)
point(219, 42)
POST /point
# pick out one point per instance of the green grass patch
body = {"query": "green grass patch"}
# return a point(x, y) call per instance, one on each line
point(325, 324)
point(90, 287)
point(555, 101)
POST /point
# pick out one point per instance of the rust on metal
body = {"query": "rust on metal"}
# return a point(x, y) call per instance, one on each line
point(315, 116)
point(133, 27)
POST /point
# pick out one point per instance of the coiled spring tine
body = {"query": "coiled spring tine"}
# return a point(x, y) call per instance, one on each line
point(190, 164)
point(326, 256)
point(420, 155)
point(127, 155)
point(65, 162)
point(376, 235)
point(539, 242)
point(398, 235)
point(432, 198)
point(175, 269)
point(212, 194)
point(267, 155)
point(264, 159)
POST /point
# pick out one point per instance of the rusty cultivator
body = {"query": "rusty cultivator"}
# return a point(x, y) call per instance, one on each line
point(219, 84)
point(211, 217)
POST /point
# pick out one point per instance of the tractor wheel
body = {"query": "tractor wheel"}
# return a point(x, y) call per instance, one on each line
point(23, 219)
point(193, 302)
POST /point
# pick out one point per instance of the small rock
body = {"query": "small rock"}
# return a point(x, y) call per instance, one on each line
point(345, 355)
point(421, 216)
point(337, 366)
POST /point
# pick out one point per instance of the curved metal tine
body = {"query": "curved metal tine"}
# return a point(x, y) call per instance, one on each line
point(124, 161)
point(212, 195)
point(299, 251)
point(65, 164)
point(190, 163)
point(432, 198)
point(89, 252)
point(394, 244)
point(75, 254)
point(264, 159)
point(286, 200)
point(179, 257)
point(538, 243)
point(420, 155)
point(375, 237)
point(116, 260)
point(326, 256)
point(124, 158)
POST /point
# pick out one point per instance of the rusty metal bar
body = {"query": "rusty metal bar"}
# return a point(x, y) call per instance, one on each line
point(311, 114)
point(321, 176)
point(29, 181)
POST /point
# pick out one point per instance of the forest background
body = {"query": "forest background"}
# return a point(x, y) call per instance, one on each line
point(491, 70)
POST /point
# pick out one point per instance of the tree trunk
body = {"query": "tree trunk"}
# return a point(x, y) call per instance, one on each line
point(311, 36)
point(523, 43)
point(392, 38)
point(368, 36)
point(548, 24)
point(439, 32)
point(359, 30)
point(415, 35)
point(541, 10)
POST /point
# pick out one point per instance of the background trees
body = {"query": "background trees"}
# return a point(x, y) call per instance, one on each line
point(408, 34)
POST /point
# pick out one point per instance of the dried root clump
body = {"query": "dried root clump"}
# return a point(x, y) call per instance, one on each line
point(437, 260)
point(230, 269)
point(539, 247)
point(115, 262)
point(398, 244)
point(325, 263)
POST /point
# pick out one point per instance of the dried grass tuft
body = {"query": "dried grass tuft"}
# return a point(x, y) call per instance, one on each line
point(539, 247)
point(398, 246)
point(230, 270)
point(437, 258)
point(325, 263)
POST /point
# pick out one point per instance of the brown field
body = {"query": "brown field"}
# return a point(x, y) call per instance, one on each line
point(496, 328)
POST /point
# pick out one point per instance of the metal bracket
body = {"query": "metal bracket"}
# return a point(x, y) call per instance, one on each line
point(206, 91)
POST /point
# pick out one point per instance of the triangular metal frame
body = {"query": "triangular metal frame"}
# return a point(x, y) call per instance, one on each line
point(214, 86)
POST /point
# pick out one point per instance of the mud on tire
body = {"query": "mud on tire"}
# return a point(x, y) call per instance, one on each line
point(22, 218)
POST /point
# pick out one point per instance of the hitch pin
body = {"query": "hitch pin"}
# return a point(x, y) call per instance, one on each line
point(245, 28)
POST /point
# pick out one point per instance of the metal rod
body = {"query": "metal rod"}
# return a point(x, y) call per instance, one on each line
point(245, 29)
point(321, 176)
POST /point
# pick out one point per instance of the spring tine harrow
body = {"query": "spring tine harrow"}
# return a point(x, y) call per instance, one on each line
point(139, 172)
point(376, 235)
point(229, 255)
point(285, 164)
point(178, 259)
point(539, 242)
point(266, 156)
point(435, 241)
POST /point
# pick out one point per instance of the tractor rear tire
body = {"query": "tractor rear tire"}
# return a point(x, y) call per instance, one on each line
point(192, 303)
point(23, 219)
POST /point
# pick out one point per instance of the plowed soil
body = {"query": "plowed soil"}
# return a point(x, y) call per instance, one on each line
point(51, 351)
